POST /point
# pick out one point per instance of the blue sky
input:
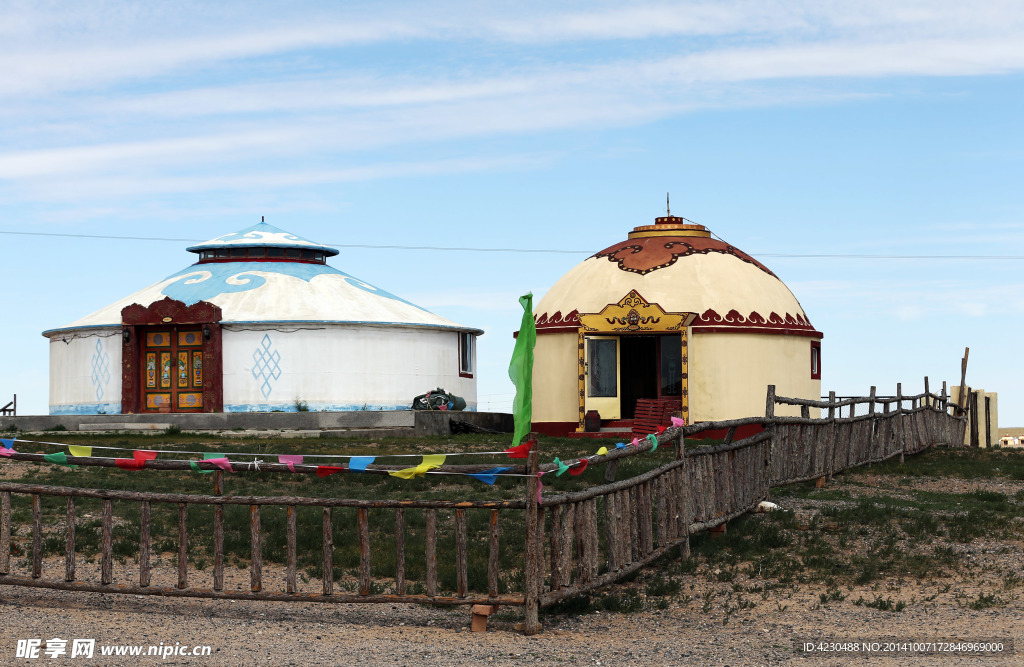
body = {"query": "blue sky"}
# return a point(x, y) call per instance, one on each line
point(788, 128)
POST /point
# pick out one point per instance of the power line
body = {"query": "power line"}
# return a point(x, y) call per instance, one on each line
point(368, 246)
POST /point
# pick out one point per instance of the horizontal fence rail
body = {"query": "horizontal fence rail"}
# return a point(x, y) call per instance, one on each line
point(385, 550)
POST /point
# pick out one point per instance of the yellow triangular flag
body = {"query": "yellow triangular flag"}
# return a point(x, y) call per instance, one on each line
point(602, 451)
point(430, 461)
point(76, 450)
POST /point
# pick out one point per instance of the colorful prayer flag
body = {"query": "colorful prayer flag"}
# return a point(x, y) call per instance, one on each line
point(602, 451)
point(578, 470)
point(76, 450)
point(654, 441)
point(137, 462)
point(326, 471)
point(60, 458)
point(561, 467)
point(430, 461)
point(290, 460)
point(520, 371)
point(520, 451)
point(359, 463)
point(488, 476)
point(8, 443)
point(677, 422)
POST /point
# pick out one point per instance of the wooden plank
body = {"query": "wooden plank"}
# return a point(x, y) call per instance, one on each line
point(144, 538)
point(492, 557)
point(5, 532)
point(431, 551)
point(660, 504)
point(107, 543)
point(363, 524)
point(289, 577)
point(567, 563)
point(635, 542)
point(595, 538)
point(531, 623)
point(555, 547)
point(182, 546)
point(37, 537)
point(540, 551)
point(611, 535)
point(255, 549)
point(400, 550)
point(69, 541)
point(218, 548)
point(582, 541)
point(328, 551)
point(461, 557)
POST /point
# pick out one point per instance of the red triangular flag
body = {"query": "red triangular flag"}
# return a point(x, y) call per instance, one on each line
point(324, 471)
point(520, 451)
point(578, 470)
point(661, 429)
point(138, 460)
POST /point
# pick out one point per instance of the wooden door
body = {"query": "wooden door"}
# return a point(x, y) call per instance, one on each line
point(172, 369)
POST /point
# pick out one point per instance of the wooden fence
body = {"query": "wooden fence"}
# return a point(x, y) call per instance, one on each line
point(573, 543)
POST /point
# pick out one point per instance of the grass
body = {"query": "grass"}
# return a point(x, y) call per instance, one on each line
point(309, 534)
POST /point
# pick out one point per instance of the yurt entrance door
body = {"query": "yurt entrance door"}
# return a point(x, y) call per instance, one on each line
point(602, 376)
point(172, 369)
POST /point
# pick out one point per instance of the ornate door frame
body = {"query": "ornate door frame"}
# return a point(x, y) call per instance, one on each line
point(631, 315)
point(170, 312)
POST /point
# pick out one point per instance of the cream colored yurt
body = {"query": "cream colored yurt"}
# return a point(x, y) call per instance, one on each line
point(259, 323)
point(675, 316)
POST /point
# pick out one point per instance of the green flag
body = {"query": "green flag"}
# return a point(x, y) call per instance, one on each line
point(520, 370)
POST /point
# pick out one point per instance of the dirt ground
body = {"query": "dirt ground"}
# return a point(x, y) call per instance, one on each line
point(703, 623)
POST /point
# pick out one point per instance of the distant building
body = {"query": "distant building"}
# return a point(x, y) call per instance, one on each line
point(670, 313)
point(259, 323)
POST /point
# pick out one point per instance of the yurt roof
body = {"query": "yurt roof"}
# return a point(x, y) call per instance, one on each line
point(262, 235)
point(682, 268)
point(279, 290)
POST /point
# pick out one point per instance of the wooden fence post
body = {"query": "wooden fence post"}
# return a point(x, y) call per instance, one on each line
point(899, 418)
point(769, 422)
point(533, 558)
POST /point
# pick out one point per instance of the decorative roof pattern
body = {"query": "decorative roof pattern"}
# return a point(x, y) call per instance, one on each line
point(643, 255)
point(262, 235)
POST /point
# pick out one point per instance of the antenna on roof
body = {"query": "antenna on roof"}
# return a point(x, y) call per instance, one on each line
point(668, 209)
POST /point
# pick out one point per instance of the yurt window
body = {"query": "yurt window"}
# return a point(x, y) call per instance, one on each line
point(275, 252)
point(466, 354)
point(815, 360)
point(238, 252)
point(292, 253)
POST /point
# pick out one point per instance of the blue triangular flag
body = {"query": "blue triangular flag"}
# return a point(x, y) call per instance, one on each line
point(359, 463)
point(8, 444)
point(488, 476)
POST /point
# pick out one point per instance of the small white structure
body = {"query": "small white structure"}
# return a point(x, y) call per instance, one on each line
point(260, 323)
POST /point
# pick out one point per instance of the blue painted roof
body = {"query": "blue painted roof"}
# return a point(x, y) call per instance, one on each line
point(262, 235)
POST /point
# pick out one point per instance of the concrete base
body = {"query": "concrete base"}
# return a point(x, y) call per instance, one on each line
point(384, 423)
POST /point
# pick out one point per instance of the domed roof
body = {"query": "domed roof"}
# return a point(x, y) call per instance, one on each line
point(264, 274)
point(261, 235)
point(679, 266)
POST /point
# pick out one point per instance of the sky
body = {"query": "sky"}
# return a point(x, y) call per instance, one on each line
point(869, 153)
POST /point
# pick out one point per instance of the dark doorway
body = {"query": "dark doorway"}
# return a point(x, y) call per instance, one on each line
point(638, 371)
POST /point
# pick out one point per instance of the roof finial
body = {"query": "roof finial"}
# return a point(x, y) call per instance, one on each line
point(262, 219)
point(668, 209)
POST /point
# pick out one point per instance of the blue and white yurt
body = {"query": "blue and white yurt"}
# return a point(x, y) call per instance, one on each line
point(259, 323)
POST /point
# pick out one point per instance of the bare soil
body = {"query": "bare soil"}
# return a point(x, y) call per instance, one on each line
point(708, 621)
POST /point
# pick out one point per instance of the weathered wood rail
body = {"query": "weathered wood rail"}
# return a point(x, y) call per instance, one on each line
point(571, 544)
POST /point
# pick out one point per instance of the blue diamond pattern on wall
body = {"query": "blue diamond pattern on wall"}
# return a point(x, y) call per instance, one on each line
point(266, 365)
point(100, 369)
